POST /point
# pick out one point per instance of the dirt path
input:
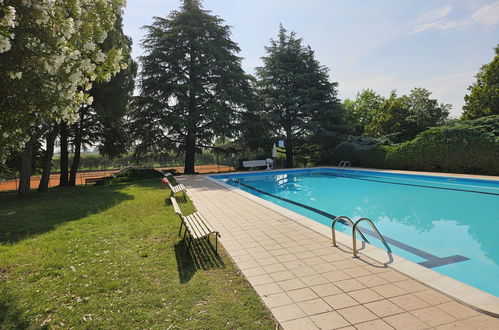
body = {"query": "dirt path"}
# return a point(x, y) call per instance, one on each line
point(54, 178)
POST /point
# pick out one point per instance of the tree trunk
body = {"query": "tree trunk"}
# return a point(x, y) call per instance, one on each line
point(63, 181)
point(77, 148)
point(190, 155)
point(47, 162)
point(27, 163)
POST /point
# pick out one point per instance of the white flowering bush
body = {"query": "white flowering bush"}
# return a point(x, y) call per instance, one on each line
point(50, 56)
point(7, 22)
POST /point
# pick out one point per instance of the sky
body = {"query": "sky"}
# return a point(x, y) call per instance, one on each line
point(379, 44)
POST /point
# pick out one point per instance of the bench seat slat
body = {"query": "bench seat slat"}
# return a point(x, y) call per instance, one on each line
point(204, 223)
point(199, 222)
point(178, 188)
point(199, 225)
point(194, 227)
point(175, 189)
point(190, 228)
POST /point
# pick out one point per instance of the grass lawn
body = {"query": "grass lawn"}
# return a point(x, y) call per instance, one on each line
point(110, 257)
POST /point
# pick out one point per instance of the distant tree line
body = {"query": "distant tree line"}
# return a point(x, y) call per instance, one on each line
point(193, 95)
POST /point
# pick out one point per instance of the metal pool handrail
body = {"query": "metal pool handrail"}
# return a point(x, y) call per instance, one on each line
point(342, 165)
point(374, 228)
point(333, 232)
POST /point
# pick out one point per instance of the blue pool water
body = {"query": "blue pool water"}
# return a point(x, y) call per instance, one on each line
point(448, 224)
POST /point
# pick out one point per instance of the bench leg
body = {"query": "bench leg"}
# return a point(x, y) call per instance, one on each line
point(180, 230)
point(216, 243)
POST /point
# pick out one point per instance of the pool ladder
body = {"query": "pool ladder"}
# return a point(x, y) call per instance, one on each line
point(342, 165)
point(355, 230)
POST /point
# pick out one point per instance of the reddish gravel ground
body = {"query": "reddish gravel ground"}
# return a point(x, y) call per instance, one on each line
point(54, 178)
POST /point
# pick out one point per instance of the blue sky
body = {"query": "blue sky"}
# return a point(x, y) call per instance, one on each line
point(378, 44)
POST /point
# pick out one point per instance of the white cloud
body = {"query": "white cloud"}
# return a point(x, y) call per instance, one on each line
point(436, 20)
point(441, 25)
point(488, 15)
point(435, 14)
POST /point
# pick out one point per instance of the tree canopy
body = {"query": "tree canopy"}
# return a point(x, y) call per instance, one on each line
point(192, 86)
point(50, 56)
point(294, 89)
point(398, 118)
point(483, 99)
point(363, 109)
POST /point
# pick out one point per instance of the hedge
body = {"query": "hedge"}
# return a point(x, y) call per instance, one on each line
point(131, 174)
point(465, 147)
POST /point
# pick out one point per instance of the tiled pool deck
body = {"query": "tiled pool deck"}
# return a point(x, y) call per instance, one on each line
point(308, 284)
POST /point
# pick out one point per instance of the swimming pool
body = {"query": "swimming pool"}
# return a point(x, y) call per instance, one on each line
point(448, 224)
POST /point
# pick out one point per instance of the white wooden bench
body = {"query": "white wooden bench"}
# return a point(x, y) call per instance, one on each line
point(258, 163)
point(174, 189)
point(195, 224)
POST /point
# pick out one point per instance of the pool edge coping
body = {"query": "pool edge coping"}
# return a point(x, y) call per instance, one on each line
point(462, 292)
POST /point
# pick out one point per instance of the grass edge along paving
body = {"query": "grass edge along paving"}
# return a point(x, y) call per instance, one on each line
point(109, 257)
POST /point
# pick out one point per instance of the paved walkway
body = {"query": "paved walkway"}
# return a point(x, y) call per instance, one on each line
point(307, 284)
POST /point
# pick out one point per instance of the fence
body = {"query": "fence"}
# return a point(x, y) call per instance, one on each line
point(13, 183)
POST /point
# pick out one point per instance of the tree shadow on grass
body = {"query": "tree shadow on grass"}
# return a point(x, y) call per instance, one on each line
point(38, 213)
point(10, 315)
point(200, 255)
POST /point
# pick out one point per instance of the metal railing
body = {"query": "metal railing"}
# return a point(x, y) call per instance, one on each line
point(355, 230)
point(342, 165)
point(374, 228)
point(333, 231)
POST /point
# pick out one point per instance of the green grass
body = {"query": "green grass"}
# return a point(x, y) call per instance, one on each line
point(109, 257)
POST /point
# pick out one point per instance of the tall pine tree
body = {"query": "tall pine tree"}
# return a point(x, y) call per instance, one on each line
point(295, 90)
point(192, 86)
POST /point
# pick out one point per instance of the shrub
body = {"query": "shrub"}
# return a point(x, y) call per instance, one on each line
point(464, 147)
point(131, 174)
point(361, 151)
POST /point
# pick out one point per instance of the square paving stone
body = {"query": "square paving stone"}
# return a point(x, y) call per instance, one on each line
point(329, 320)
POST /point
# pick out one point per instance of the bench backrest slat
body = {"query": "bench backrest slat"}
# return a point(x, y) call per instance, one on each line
point(254, 163)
